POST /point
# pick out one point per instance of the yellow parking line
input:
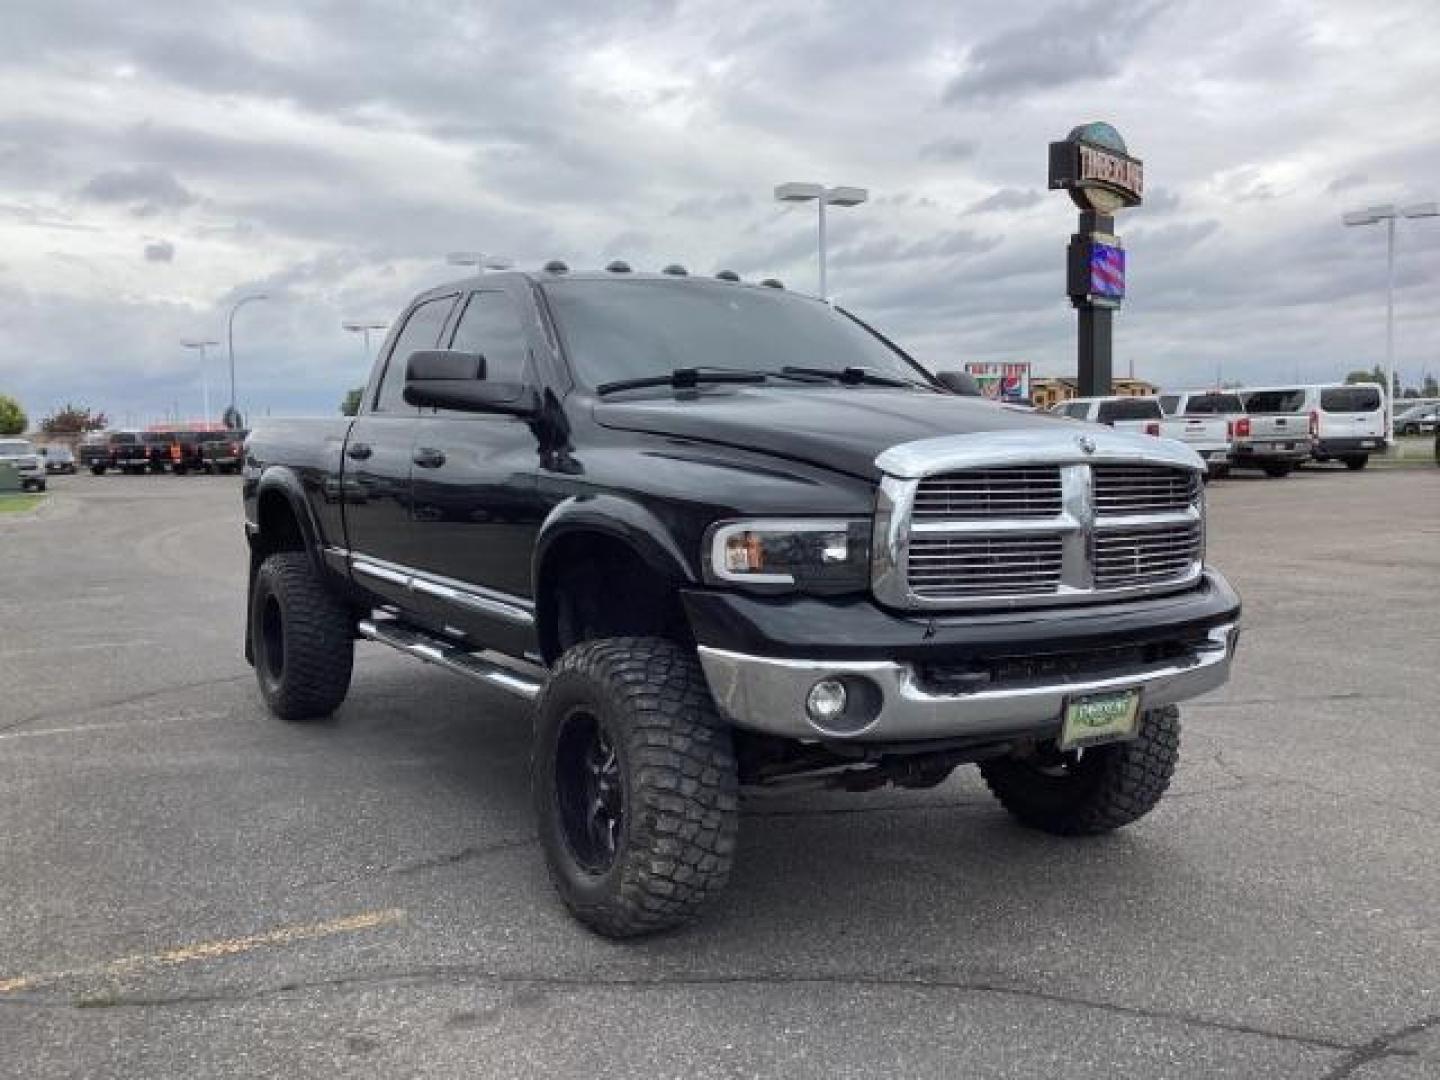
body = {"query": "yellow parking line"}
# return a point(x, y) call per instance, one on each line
point(210, 950)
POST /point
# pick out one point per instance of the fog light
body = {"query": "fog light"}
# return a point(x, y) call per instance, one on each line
point(826, 700)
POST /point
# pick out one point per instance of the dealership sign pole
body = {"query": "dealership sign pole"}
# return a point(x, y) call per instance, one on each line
point(1091, 163)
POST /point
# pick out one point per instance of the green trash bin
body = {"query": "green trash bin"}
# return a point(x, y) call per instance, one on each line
point(9, 478)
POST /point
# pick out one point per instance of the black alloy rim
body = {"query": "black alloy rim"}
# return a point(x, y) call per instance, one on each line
point(589, 790)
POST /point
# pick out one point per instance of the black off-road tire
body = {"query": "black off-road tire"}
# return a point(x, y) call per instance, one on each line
point(1356, 462)
point(1278, 471)
point(303, 639)
point(1109, 787)
point(646, 701)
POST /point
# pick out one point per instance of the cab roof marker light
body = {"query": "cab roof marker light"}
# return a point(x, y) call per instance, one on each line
point(675, 270)
point(773, 283)
point(617, 266)
point(556, 266)
point(728, 275)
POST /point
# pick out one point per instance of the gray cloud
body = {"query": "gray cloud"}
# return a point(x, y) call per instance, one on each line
point(162, 251)
point(950, 149)
point(146, 189)
point(1346, 182)
point(1005, 199)
point(1069, 43)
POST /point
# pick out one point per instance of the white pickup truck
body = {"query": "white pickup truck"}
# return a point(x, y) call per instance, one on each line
point(1208, 436)
point(1274, 442)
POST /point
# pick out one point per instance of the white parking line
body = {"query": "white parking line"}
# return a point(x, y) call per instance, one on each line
point(80, 729)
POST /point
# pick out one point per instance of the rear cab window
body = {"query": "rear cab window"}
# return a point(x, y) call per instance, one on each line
point(1350, 399)
point(1273, 402)
point(1213, 404)
point(1129, 409)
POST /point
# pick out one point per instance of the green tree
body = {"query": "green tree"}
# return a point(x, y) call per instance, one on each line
point(351, 405)
point(73, 420)
point(13, 420)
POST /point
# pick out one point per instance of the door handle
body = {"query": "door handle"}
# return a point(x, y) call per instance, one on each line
point(359, 451)
point(428, 458)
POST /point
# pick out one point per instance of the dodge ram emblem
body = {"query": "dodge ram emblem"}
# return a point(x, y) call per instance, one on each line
point(1087, 444)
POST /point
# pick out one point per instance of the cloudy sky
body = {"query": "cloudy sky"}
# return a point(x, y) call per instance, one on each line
point(158, 161)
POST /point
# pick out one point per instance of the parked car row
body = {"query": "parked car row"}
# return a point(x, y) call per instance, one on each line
point(180, 452)
point(1272, 429)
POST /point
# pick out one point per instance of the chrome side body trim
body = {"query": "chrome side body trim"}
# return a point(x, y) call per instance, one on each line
point(476, 598)
point(768, 695)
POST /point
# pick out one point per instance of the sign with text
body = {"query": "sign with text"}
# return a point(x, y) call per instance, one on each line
point(1002, 381)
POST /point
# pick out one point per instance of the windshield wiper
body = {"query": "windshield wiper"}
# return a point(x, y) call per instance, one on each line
point(850, 376)
point(689, 378)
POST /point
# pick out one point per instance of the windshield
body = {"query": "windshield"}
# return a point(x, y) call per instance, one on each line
point(1269, 402)
point(618, 330)
point(15, 448)
point(1206, 404)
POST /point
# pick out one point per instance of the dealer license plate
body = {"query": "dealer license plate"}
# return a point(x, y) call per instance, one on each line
point(1099, 718)
point(1367, 445)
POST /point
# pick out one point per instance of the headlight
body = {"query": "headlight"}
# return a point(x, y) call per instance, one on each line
point(781, 555)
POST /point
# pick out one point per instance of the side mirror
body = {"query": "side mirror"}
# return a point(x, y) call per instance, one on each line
point(449, 379)
point(959, 382)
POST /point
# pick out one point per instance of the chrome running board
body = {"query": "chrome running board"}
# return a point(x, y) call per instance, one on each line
point(522, 680)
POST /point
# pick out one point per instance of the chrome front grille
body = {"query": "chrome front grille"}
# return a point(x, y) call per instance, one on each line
point(989, 493)
point(1032, 534)
point(944, 567)
point(1127, 557)
point(1143, 489)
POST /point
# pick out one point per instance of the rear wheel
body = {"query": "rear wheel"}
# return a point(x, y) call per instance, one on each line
point(1278, 470)
point(97, 470)
point(302, 638)
point(635, 782)
point(1094, 791)
point(1356, 462)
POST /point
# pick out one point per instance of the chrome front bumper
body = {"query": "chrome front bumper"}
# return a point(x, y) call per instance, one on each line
point(768, 695)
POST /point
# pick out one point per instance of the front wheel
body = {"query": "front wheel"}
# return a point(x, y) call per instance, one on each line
point(1277, 471)
point(635, 785)
point(1356, 462)
point(1094, 791)
point(302, 639)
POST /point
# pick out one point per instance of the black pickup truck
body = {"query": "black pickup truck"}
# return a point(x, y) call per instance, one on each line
point(723, 534)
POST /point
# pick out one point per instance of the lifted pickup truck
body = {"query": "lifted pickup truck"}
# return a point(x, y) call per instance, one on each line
point(723, 535)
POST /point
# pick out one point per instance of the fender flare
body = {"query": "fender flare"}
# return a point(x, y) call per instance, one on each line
point(619, 518)
point(283, 479)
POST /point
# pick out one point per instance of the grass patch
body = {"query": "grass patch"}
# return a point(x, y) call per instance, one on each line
point(16, 504)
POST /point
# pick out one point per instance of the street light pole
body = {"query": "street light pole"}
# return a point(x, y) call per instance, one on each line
point(1373, 215)
point(363, 327)
point(232, 412)
point(202, 344)
point(823, 196)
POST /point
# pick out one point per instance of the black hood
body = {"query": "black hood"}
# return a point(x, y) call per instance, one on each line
point(842, 428)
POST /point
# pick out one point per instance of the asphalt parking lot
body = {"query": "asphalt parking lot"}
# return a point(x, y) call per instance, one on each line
point(191, 888)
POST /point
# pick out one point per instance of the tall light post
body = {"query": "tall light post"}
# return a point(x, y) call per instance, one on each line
point(823, 196)
point(479, 260)
point(202, 345)
point(232, 414)
point(361, 326)
point(1373, 215)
